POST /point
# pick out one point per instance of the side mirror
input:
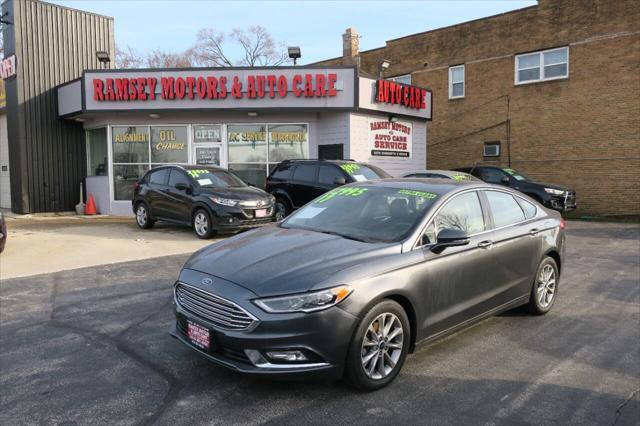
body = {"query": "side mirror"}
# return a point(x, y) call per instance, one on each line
point(504, 180)
point(450, 237)
point(340, 181)
point(184, 187)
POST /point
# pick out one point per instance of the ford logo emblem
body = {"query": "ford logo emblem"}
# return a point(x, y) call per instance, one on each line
point(207, 281)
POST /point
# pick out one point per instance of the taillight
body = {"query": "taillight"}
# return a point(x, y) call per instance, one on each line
point(563, 223)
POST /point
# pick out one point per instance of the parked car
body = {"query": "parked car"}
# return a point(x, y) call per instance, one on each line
point(353, 281)
point(3, 232)
point(441, 174)
point(296, 182)
point(553, 196)
point(207, 198)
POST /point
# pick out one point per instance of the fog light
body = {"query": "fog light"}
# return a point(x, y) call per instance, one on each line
point(287, 356)
point(230, 220)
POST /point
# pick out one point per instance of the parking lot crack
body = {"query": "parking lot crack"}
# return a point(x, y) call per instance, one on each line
point(621, 406)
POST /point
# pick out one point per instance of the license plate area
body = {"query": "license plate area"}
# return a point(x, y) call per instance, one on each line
point(261, 213)
point(198, 335)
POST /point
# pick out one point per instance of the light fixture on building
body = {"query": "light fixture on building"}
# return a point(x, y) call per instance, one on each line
point(384, 65)
point(252, 114)
point(294, 53)
point(393, 119)
point(103, 57)
point(154, 115)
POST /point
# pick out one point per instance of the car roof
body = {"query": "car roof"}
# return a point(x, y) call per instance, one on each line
point(435, 185)
point(449, 173)
point(302, 160)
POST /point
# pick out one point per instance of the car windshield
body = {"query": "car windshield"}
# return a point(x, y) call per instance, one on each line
point(362, 172)
point(207, 178)
point(370, 214)
point(516, 174)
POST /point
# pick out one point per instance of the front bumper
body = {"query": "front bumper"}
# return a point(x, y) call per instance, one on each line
point(323, 336)
point(234, 218)
point(563, 203)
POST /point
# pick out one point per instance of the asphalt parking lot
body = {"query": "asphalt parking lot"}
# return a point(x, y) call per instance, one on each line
point(91, 346)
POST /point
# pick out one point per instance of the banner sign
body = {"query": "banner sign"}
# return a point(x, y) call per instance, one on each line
point(8, 67)
point(389, 139)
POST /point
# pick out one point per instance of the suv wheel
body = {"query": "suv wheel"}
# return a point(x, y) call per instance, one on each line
point(379, 347)
point(202, 224)
point(143, 218)
point(545, 287)
point(282, 209)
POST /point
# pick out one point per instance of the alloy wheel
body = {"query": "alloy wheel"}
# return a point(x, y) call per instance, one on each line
point(546, 286)
point(280, 211)
point(382, 346)
point(141, 215)
point(201, 223)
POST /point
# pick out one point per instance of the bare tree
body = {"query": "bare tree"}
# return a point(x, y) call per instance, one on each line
point(258, 46)
point(161, 59)
point(128, 58)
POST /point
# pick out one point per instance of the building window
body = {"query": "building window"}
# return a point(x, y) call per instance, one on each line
point(169, 145)
point(456, 82)
point(491, 149)
point(97, 156)
point(402, 79)
point(545, 65)
point(255, 149)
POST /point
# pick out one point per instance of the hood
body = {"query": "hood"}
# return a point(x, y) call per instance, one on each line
point(272, 260)
point(242, 193)
point(545, 185)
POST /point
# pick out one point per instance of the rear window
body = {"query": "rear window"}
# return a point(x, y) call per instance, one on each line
point(282, 172)
point(362, 172)
point(505, 209)
point(305, 172)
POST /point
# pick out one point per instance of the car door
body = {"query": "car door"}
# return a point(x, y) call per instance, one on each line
point(327, 176)
point(155, 197)
point(515, 242)
point(456, 282)
point(304, 184)
point(178, 201)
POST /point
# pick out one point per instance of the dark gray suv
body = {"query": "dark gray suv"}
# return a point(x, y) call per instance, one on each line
point(351, 282)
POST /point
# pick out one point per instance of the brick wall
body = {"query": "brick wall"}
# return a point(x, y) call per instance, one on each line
point(582, 132)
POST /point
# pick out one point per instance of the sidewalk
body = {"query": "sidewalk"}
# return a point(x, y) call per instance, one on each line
point(44, 244)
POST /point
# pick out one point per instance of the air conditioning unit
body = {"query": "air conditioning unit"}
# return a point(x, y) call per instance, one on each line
point(492, 149)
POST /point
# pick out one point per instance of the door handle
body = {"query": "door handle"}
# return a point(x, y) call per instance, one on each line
point(534, 231)
point(485, 244)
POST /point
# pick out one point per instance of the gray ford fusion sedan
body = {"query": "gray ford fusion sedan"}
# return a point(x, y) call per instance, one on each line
point(354, 280)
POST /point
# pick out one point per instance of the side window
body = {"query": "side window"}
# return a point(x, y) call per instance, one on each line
point(177, 176)
point(528, 208)
point(329, 174)
point(505, 209)
point(282, 172)
point(305, 173)
point(462, 212)
point(159, 177)
point(492, 175)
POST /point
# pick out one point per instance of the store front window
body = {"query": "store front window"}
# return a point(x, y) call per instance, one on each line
point(97, 156)
point(254, 149)
point(169, 145)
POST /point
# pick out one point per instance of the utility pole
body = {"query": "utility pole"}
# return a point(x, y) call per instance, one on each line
point(509, 130)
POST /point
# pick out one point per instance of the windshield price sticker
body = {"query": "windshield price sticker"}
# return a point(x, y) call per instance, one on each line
point(427, 195)
point(350, 168)
point(205, 182)
point(343, 192)
point(460, 177)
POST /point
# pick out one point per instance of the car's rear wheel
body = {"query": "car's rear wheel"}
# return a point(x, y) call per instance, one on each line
point(545, 287)
point(282, 209)
point(202, 224)
point(143, 218)
point(379, 347)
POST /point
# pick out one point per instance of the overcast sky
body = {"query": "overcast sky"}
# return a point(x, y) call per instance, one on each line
point(315, 26)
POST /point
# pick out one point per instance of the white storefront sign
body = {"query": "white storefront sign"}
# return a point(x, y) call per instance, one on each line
point(390, 139)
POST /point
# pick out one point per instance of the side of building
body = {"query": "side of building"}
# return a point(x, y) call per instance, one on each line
point(554, 87)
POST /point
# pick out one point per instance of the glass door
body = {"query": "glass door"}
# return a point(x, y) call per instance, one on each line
point(209, 154)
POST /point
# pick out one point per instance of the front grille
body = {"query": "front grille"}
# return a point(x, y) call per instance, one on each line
point(218, 311)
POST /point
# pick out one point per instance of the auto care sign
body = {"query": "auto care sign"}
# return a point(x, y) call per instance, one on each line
point(389, 139)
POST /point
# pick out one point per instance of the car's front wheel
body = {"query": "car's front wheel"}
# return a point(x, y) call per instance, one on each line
point(143, 218)
point(202, 224)
point(379, 347)
point(282, 209)
point(545, 287)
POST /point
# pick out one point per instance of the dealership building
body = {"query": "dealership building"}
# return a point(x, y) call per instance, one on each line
point(551, 90)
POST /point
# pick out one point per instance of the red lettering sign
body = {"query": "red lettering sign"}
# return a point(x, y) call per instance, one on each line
point(390, 92)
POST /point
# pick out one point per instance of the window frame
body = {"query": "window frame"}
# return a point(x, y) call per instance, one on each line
point(451, 82)
point(541, 66)
point(491, 143)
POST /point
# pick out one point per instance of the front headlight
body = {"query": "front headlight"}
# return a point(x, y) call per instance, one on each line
point(305, 302)
point(224, 201)
point(553, 191)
